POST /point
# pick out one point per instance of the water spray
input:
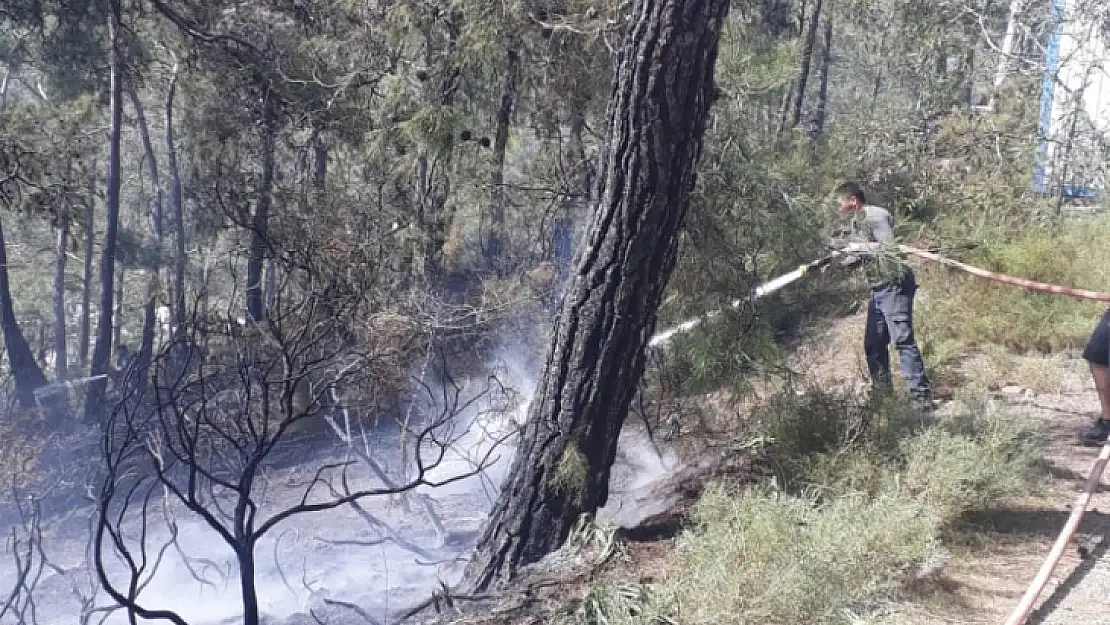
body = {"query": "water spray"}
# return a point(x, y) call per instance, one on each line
point(42, 393)
point(771, 286)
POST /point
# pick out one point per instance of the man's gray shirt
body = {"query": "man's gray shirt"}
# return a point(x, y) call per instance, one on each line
point(873, 224)
point(877, 225)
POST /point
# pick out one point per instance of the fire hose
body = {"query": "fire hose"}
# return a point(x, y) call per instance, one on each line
point(1031, 285)
point(1024, 607)
point(1022, 611)
point(664, 337)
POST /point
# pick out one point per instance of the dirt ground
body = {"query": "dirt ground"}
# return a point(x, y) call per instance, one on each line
point(1006, 547)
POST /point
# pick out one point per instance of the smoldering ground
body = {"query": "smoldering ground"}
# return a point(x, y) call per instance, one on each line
point(372, 560)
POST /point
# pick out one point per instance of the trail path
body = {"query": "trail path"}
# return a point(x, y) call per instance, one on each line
point(1079, 592)
point(1013, 542)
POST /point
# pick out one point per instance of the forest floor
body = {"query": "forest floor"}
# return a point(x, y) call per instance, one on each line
point(993, 554)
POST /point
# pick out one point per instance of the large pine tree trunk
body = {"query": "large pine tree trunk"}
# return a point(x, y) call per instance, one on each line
point(877, 84)
point(1016, 7)
point(826, 63)
point(495, 232)
point(86, 280)
point(662, 92)
point(433, 185)
point(117, 325)
point(146, 345)
point(102, 351)
point(562, 236)
point(320, 158)
point(26, 371)
point(968, 95)
point(178, 213)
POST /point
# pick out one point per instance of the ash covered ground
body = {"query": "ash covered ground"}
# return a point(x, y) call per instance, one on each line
point(374, 561)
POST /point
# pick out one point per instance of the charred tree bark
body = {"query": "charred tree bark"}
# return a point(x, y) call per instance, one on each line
point(25, 369)
point(102, 351)
point(826, 63)
point(146, 344)
point(86, 280)
point(256, 307)
point(144, 358)
point(496, 228)
point(806, 62)
point(878, 83)
point(244, 554)
point(320, 156)
point(662, 92)
point(178, 213)
point(61, 364)
point(117, 325)
point(152, 161)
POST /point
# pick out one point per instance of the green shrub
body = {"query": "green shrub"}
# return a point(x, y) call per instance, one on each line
point(857, 513)
point(813, 435)
point(973, 463)
point(764, 556)
point(799, 425)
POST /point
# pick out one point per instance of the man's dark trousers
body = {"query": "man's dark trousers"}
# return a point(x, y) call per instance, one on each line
point(890, 319)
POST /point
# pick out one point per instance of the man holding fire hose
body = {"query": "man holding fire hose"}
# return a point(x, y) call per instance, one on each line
point(890, 311)
point(869, 241)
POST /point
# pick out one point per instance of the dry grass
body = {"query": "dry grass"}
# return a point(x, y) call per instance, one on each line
point(995, 367)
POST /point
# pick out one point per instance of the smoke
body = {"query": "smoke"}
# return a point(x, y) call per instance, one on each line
point(496, 410)
point(384, 557)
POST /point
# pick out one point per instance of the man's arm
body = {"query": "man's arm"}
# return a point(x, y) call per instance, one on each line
point(857, 249)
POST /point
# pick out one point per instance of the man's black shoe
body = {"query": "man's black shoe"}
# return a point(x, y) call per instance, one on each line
point(1097, 434)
